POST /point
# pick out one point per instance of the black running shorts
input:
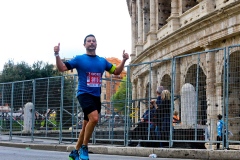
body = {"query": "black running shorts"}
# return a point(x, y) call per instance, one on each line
point(89, 103)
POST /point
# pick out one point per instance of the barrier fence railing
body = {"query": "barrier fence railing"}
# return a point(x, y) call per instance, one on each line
point(202, 85)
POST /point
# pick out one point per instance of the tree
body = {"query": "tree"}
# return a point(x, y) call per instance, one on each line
point(22, 74)
point(12, 72)
point(22, 71)
point(119, 97)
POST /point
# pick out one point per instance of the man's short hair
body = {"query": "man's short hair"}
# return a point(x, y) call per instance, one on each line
point(90, 35)
point(160, 89)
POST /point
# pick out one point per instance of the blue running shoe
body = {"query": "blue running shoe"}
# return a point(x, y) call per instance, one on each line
point(83, 153)
point(74, 155)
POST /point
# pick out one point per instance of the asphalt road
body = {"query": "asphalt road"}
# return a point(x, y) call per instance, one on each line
point(10, 153)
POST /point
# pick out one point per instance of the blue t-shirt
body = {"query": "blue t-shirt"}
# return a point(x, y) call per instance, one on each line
point(219, 127)
point(90, 70)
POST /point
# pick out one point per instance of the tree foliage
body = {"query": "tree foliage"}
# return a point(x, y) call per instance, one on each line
point(23, 71)
point(119, 97)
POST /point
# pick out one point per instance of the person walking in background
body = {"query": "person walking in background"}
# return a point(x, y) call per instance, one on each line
point(220, 132)
point(90, 68)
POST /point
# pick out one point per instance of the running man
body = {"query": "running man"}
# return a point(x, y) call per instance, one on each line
point(90, 68)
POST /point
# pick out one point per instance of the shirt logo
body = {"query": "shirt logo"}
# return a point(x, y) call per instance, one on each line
point(94, 79)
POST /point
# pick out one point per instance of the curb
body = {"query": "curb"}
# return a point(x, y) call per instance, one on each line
point(136, 151)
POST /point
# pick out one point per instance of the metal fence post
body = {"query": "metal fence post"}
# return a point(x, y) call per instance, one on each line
point(33, 110)
point(111, 122)
point(226, 67)
point(11, 122)
point(23, 86)
point(172, 101)
point(46, 117)
point(127, 104)
point(149, 97)
point(196, 118)
point(61, 110)
point(2, 113)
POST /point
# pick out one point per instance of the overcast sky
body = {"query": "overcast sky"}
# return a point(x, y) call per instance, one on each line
point(29, 29)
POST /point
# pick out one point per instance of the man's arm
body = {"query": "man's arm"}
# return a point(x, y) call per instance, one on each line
point(120, 67)
point(60, 65)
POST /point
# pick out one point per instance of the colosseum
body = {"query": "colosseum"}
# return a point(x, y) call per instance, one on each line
point(191, 47)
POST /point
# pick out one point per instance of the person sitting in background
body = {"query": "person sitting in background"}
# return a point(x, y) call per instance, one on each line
point(149, 113)
point(146, 122)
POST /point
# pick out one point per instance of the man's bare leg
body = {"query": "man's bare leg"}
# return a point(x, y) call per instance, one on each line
point(81, 135)
point(93, 120)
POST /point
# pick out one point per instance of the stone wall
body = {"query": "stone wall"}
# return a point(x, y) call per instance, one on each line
point(191, 27)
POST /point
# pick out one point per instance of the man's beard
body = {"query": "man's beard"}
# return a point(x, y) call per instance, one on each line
point(91, 50)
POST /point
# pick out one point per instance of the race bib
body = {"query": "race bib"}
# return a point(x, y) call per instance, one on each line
point(94, 79)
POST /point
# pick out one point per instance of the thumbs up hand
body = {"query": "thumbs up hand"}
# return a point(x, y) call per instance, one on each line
point(125, 55)
point(57, 49)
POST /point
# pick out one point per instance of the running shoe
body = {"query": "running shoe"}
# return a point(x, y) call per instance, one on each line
point(74, 155)
point(83, 153)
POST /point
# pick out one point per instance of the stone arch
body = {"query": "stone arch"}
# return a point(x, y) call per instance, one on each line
point(186, 69)
point(166, 82)
point(234, 68)
point(163, 12)
point(164, 70)
point(233, 59)
point(188, 4)
point(233, 93)
point(191, 77)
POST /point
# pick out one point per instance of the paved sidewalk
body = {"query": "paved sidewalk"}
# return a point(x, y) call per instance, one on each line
point(46, 144)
